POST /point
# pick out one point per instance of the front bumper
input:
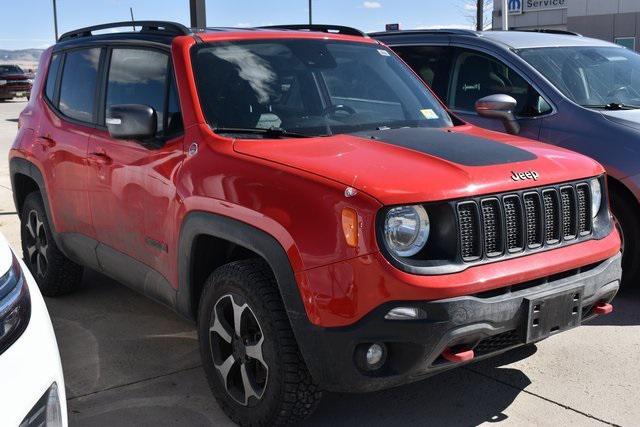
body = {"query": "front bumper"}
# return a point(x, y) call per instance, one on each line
point(11, 91)
point(487, 322)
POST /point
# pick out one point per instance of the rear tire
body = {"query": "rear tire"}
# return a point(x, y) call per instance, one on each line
point(257, 376)
point(625, 212)
point(55, 274)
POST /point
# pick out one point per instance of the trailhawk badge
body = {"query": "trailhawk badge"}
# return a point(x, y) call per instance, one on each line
point(521, 176)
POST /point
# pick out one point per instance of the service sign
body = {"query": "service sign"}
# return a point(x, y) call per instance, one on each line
point(516, 7)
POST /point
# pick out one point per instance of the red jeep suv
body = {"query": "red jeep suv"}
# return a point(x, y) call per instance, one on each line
point(303, 196)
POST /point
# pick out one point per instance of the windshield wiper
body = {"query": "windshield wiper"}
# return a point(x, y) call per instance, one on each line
point(613, 106)
point(273, 132)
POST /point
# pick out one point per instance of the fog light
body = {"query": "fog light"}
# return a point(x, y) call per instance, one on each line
point(375, 353)
point(406, 313)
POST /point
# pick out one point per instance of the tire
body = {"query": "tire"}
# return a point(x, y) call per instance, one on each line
point(281, 389)
point(626, 217)
point(55, 274)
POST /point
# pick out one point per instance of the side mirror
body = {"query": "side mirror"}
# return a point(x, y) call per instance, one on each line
point(499, 107)
point(131, 121)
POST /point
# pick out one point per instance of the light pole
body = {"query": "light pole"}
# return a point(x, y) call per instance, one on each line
point(198, 13)
point(310, 12)
point(505, 15)
point(55, 19)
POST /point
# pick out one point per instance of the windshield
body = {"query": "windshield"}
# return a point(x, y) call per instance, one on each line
point(6, 69)
point(310, 88)
point(590, 76)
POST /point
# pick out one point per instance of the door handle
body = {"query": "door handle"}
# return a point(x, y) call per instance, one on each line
point(46, 141)
point(101, 157)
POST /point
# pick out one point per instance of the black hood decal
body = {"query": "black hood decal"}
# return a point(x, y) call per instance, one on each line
point(452, 146)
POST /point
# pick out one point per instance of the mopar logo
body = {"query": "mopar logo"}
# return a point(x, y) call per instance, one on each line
point(521, 176)
point(515, 6)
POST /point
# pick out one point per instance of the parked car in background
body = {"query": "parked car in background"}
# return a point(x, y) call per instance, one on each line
point(14, 82)
point(32, 387)
point(304, 197)
point(571, 91)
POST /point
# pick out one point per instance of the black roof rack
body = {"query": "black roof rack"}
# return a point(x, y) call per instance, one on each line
point(552, 31)
point(155, 27)
point(322, 28)
point(445, 31)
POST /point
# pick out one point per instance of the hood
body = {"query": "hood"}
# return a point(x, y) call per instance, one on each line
point(421, 164)
point(630, 118)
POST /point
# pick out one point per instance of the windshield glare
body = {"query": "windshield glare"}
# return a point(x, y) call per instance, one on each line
point(311, 87)
point(590, 76)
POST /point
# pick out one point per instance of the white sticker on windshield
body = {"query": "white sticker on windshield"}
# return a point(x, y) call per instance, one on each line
point(383, 52)
point(429, 114)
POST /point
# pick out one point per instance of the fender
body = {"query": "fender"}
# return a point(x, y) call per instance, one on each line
point(265, 245)
point(242, 234)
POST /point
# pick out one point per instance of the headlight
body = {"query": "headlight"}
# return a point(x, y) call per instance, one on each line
point(15, 306)
point(30, 81)
point(596, 196)
point(3, 82)
point(406, 230)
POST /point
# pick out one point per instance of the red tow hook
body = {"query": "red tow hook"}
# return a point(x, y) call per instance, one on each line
point(457, 356)
point(603, 308)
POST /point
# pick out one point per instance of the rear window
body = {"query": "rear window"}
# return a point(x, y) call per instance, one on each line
point(52, 77)
point(78, 85)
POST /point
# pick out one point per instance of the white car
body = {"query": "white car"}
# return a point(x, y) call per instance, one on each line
point(31, 386)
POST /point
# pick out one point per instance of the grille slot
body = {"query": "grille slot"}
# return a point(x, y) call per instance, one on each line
point(469, 224)
point(512, 223)
point(583, 195)
point(569, 213)
point(492, 226)
point(534, 220)
point(551, 216)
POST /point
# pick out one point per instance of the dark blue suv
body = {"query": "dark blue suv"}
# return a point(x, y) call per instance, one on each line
point(557, 87)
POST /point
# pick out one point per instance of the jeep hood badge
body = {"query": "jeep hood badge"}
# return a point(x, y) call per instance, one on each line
point(521, 176)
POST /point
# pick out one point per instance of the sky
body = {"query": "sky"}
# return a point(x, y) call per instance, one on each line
point(29, 23)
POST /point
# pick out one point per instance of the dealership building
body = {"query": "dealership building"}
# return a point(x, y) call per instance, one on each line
point(616, 21)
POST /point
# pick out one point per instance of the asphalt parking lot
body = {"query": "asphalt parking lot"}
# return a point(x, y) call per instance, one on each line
point(130, 361)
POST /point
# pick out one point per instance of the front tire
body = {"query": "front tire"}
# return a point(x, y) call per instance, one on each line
point(55, 274)
point(626, 220)
point(250, 356)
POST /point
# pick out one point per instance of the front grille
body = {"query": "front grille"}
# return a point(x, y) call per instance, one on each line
point(513, 223)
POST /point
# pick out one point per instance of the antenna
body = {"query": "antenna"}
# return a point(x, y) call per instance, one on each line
point(133, 21)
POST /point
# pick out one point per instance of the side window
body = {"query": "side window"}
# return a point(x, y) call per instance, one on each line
point(78, 85)
point(138, 76)
point(476, 75)
point(52, 76)
point(431, 63)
